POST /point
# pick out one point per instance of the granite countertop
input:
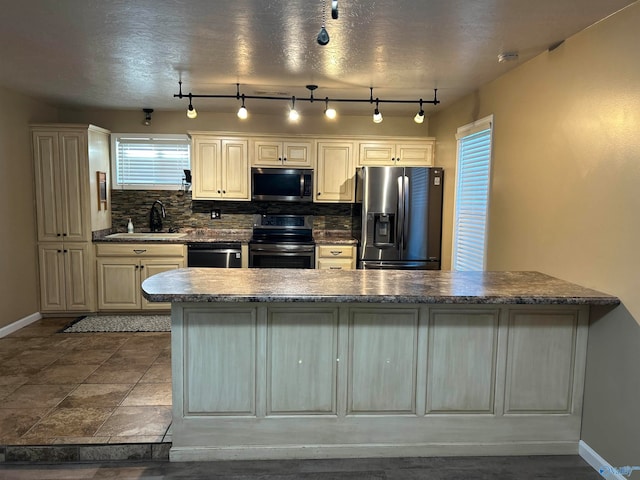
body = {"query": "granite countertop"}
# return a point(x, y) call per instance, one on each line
point(367, 286)
point(207, 235)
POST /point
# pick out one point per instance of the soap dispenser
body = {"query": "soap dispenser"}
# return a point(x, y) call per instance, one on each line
point(130, 227)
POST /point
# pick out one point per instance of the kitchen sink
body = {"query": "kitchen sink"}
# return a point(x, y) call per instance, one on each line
point(148, 236)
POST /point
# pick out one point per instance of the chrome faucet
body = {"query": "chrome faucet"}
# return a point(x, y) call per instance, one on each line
point(155, 217)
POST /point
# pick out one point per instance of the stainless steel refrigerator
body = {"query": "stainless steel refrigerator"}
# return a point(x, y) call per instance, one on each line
point(401, 217)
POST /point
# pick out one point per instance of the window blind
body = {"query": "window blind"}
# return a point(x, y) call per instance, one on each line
point(144, 162)
point(472, 199)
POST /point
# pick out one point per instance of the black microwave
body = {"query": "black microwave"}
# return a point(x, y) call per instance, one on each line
point(282, 184)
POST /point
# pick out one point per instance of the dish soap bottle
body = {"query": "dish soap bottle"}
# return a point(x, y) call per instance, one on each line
point(130, 227)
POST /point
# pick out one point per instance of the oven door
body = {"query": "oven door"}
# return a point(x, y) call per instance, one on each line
point(265, 255)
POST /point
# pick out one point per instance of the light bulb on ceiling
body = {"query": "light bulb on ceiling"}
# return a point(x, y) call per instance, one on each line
point(377, 116)
point(293, 114)
point(242, 111)
point(329, 112)
point(419, 118)
point(191, 112)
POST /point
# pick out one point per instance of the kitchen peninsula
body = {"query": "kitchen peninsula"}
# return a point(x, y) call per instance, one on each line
point(277, 363)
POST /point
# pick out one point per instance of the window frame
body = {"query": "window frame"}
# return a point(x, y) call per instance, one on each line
point(115, 139)
point(486, 123)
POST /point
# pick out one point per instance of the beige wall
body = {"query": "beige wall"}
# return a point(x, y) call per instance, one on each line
point(565, 198)
point(131, 121)
point(18, 262)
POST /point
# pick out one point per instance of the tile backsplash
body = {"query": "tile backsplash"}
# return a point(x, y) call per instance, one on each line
point(183, 212)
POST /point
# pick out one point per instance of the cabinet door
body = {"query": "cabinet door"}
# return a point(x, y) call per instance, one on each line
point(414, 154)
point(206, 168)
point(52, 281)
point(235, 170)
point(149, 268)
point(267, 153)
point(118, 283)
point(74, 186)
point(335, 172)
point(79, 277)
point(377, 153)
point(297, 154)
point(48, 192)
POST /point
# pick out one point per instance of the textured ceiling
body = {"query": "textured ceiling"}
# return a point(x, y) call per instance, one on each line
point(130, 54)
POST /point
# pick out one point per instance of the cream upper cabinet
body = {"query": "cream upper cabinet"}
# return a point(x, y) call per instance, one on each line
point(62, 184)
point(335, 173)
point(290, 152)
point(220, 168)
point(410, 154)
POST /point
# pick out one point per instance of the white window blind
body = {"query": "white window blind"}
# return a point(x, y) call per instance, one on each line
point(144, 162)
point(472, 195)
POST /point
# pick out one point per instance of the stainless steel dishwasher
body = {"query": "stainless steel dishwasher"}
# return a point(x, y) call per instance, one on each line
point(214, 255)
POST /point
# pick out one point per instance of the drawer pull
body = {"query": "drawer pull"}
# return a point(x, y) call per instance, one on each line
point(139, 251)
point(335, 268)
point(336, 252)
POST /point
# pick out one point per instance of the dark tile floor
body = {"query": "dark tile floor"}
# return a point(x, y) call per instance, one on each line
point(79, 388)
point(74, 392)
point(452, 468)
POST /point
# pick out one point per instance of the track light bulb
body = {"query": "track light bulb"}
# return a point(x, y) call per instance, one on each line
point(191, 112)
point(419, 118)
point(330, 113)
point(293, 114)
point(242, 113)
point(377, 116)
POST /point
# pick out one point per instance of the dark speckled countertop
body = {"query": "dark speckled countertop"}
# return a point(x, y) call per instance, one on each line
point(367, 286)
point(203, 235)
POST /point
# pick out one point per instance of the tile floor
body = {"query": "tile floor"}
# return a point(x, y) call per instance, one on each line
point(80, 388)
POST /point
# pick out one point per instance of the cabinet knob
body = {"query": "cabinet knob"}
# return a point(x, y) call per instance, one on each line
point(59, 251)
point(224, 191)
point(284, 159)
point(141, 267)
point(65, 251)
point(58, 234)
point(64, 234)
point(319, 193)
point(219, 191)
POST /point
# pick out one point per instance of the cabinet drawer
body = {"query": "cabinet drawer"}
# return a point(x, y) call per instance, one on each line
point(336, 264)
point(139, 250)
point(335, 251)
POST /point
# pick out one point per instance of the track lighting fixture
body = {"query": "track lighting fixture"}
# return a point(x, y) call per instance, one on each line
point(147, 116)
point(242, 111)
point(293, 114)
point(377, 116)
point(419, 118)
point(329, 112)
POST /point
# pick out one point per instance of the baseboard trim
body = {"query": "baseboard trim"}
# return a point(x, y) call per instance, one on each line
point(18, 324)
point(290, 452)
point(598, 463)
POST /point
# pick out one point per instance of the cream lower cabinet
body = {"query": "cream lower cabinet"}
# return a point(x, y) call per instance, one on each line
point(123, 268)
point(335, 173)
point(66, 276)
point(335, 257)
point(414, 154)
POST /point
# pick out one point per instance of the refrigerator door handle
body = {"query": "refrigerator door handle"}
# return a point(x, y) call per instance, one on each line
point(405, 209)
point(401, 214)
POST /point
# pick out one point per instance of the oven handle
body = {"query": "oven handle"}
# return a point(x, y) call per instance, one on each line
point(280, 251)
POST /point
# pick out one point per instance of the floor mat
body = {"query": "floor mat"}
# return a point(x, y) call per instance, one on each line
point(120, 323)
